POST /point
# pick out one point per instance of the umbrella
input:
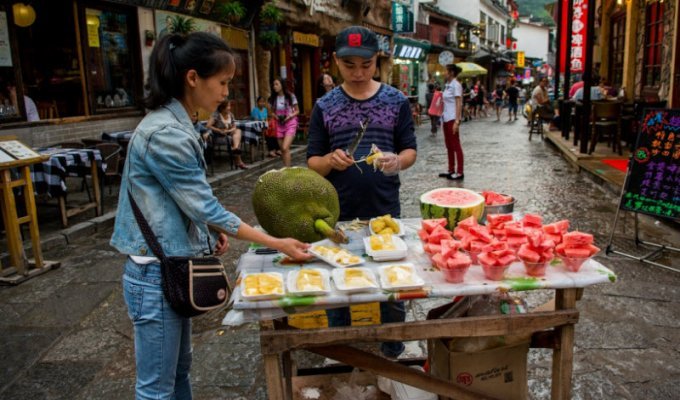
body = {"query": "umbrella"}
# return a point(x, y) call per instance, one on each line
point(470, 69)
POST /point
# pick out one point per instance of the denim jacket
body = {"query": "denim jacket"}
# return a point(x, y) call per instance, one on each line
point(165, 171)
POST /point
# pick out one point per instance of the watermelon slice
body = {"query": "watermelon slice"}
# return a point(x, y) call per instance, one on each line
point(532, 220)
point(495, 199)
point(422, 233)
point(481, 233)
point(577, 238)
point(556, 228)
point(439, 261)
point(430, 224)
point(454, 204)
point(449, 247)
point(438, 234)
point(498, 220)
point(468, 222)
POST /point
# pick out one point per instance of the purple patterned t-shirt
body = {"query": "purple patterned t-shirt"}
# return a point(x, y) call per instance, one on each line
point(334, 123)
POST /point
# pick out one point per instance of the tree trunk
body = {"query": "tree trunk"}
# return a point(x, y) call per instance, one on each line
point(264, 58)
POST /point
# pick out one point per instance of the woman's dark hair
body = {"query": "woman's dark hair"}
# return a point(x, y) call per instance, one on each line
point(286, 94)
point(454, 68)
point(258, 99)
point(223, 106)
point(174, 55)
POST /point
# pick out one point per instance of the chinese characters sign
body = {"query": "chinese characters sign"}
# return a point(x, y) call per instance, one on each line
point(402, 16)
point(520, 59)
point(579, 29)
point(653, 182)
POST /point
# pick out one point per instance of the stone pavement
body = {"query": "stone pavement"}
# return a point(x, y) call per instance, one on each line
point(66, 335)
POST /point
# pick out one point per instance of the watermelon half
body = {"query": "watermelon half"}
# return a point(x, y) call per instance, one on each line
point(454, 204)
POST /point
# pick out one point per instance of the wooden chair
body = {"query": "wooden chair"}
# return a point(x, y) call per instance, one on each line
point(222, 143)
point(607, 115)
point(47, 109)
point(535, 123)
point(111, 153)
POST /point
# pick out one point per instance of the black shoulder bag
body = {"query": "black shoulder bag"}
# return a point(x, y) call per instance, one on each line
point(192, 285)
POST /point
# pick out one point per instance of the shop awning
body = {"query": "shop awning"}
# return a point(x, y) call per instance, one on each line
point(481, 56)
point(410, 49)
point(470, 69)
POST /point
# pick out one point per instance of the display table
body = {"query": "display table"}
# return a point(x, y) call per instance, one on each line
point(253, 135)
point(332, 342)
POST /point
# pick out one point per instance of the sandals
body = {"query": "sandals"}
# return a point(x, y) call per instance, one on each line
point(242, 166)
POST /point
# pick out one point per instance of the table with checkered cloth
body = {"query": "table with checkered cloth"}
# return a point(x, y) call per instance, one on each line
point(49, 177)
point(251, 130)
point(117, 137)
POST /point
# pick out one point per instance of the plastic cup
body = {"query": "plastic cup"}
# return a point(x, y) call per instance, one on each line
point(474, 256)
point(535, 268)
point(494, 272)
point(455, 275)
point(573, 264)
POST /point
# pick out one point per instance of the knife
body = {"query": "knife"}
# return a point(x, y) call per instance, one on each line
point(360, 134)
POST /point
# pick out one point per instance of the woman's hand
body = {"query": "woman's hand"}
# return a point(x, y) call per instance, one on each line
point(222, 244)
point(293, 248)
point(339, 160)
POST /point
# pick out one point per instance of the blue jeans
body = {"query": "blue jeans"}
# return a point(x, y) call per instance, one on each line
point(162, 337)
point(389, 312)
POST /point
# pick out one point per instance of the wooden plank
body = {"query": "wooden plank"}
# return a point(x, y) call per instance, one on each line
point(275, 342)
point(62, 211)
point(395, 371)
point(97, 192)
point(274, 375)
point(9, 213)
point(32, 214)
point(563, 355)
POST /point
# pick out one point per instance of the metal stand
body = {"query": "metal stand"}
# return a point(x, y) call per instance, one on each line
point(658, 248)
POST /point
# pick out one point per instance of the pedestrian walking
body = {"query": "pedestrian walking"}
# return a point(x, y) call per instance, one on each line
point(365, 191)
point(511, 94)
point(285, 107)
point(498, 101)
point(453, 108)
point(165, 173)
point(435, 106)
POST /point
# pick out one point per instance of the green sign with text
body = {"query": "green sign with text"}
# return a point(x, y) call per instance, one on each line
point(402, 17)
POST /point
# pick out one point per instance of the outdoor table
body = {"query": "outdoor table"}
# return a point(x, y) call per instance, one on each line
point(332, 342)
point(49, 177)
point(252, 133)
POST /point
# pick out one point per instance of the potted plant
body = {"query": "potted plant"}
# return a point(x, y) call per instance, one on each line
point(149, 37)
point(182, 25)
point(269, 39)
point(270, 14)
point(231, 12)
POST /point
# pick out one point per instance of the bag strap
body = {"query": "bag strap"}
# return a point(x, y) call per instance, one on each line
point(148, 234)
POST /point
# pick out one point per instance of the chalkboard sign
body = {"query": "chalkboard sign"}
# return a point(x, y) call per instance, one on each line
point(653, 181)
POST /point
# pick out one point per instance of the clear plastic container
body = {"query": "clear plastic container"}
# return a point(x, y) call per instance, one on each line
point(474, 256)
point(535, 268)
point(573, 264)
point(494, 272)
point(400, 250)
point(455, 275)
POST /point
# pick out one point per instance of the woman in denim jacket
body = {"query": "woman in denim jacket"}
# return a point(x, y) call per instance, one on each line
point(165, 172)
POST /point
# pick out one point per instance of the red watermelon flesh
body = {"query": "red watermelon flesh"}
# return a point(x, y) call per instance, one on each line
point(576, 252)
point(422, 233)
point(468, 222)
point(461, 261)
point(439, 261)
point(514, 229)
point(525, 254)
point(459, 232)
point(577, 238)
point(476, 246)
point(432, 248)
point(498, 220)
point(559, 227)
point(532, 220)
point(449, 247)
point(555, 238)
point(493, 198)
point(430, 224)
point(481, 233)
point(516, 241)
point(438, 234)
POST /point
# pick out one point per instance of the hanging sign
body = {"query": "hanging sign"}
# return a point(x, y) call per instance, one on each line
point(402, 16)
point(520, 59)
point(5, 50)
point(579, 36)
point(308, 39)
point(653, 180)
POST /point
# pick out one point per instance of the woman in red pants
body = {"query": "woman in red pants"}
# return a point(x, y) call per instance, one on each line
point(453, 112)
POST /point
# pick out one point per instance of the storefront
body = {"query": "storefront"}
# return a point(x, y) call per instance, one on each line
point(409, 65)
point(82, 63)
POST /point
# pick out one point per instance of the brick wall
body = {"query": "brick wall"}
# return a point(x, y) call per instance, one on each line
point(43, 135)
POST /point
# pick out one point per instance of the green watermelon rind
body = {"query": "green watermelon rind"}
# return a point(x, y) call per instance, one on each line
point(453, 214)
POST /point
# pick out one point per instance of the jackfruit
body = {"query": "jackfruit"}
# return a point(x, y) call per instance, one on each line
point(299, 203)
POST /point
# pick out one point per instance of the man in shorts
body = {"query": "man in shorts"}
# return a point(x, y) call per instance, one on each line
point(511, 94)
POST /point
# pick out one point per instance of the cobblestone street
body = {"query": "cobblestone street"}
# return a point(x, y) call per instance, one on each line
point(66, 334)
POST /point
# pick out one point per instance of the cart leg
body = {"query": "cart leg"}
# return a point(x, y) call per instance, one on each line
point(97, 192)
point(563, 356)
point(273, 372)
point(287, 374)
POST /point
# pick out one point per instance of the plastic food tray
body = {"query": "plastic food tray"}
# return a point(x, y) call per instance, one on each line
point(262, 296)
point(398, 221)
point(339, 280)
point(418, 282)
point(329, 243)
point(292, 284)
point(400, 251)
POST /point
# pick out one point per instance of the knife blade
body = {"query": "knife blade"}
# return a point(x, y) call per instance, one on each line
point(360, 134)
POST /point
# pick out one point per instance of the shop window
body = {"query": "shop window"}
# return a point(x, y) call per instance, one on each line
point(110, 39)
point(616, 53)
point(48, 64)
point(651, 74)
